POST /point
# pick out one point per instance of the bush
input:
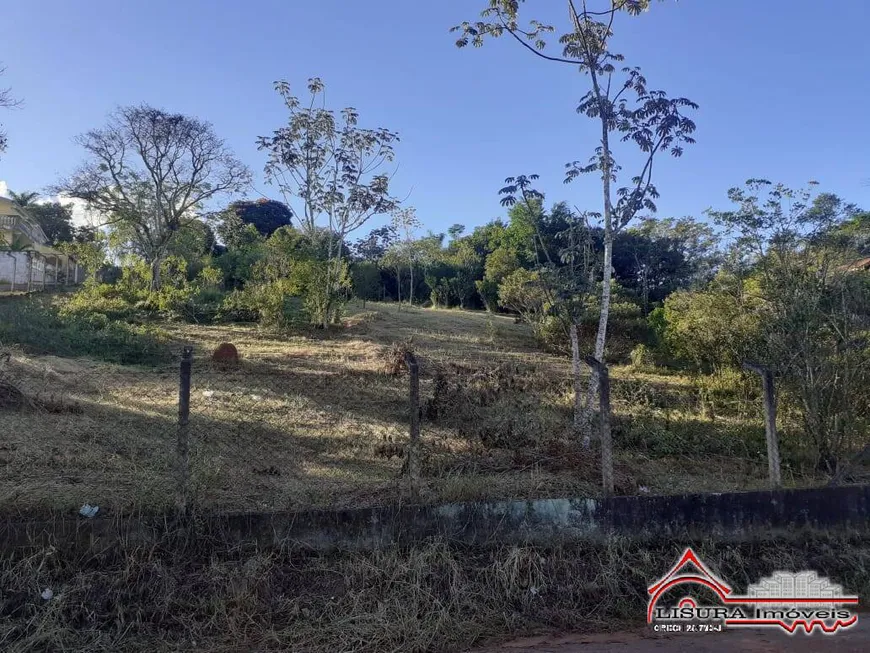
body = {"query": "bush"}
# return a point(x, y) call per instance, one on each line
point(41, 327)
point(101, 299)
point(274, 305)
point(642, 357)
point(488, 291)
point(239, 306)
point(729, 391)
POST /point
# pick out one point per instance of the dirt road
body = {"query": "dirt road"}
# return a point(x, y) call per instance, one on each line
point(855, 640)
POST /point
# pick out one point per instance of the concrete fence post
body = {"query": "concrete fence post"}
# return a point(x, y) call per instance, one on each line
point(769, 390)
point(604, 423)
point(183, 435)
point(413, 460)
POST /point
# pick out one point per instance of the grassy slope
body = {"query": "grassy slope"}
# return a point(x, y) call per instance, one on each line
point(313, 421)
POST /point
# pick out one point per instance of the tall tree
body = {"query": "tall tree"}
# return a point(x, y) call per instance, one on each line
point(815, 309)
point(333, 167)
point(375, 245)
point(618, 99)
point(55, 219)
point(455, 231)
point(265, 214)
point(150, 171)
point(406, 223)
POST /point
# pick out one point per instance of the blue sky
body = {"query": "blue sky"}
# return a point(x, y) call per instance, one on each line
point(783, 88)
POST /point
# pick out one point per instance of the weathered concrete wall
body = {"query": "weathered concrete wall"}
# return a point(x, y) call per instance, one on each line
point(546, 520)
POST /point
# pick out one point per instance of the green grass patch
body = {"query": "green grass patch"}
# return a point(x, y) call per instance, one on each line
point(37, 324)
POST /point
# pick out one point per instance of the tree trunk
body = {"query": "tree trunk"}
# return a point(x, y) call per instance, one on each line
point(155, 274)
point(578, 385)
point(411, 287)
point(606, 273)
point(399, 283)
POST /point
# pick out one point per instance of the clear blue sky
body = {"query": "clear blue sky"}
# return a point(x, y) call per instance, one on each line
point(783, 85)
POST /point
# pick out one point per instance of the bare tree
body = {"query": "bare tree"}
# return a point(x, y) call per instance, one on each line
point(618, 98)
point(332, 166)
point(149, 172)
point(6, 102)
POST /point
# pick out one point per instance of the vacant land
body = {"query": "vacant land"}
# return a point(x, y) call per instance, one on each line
point(321, 419)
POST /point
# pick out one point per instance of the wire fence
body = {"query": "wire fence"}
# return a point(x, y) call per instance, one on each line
point(285, 429)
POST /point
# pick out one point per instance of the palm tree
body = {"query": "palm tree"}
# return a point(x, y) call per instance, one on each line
point(23, 199)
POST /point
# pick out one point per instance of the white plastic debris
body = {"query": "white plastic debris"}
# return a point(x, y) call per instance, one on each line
point(88, 510)
point(643, 489)
point(208, 394)
point(47, 594)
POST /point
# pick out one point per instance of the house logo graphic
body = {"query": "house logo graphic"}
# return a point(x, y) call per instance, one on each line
point(796, 602)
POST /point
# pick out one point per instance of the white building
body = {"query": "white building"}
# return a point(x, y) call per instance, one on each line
point(27, 261)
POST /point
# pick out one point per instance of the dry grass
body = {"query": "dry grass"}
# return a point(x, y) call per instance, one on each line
point(317, 421)
point(199, 596)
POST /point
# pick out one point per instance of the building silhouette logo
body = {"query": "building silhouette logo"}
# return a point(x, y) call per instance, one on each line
point(794, 601)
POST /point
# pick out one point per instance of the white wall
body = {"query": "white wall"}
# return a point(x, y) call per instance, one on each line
point(18, 262)
point(43, 272)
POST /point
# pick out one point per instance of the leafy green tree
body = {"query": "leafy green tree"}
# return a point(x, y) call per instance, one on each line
point(194, 239)
point(149, 172)
point(656, 257)
point(375, 245)
point(366, 280)
point(89, 247)
point(522, 293)
point(55, 220)
point(716, 327)
point(333, 167)
point(815, 310)
point(499, 264)
point(265, 215)
point(618, 99)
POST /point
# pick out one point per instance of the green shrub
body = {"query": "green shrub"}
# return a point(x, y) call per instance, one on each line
point(728, 392)
point(274, 305)
point(239, 306)
point(488, 291)
point(642, 357)
point(41, 327)
point(100, 299)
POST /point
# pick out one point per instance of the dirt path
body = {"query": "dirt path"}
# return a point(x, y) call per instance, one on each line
point(855, 640)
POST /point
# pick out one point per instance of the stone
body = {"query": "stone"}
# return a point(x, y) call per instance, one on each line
point(226, 353)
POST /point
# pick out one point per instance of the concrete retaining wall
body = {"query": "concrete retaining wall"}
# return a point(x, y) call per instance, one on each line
point(547, 520)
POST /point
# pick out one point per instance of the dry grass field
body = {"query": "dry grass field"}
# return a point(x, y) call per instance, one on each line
point(318, 421)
